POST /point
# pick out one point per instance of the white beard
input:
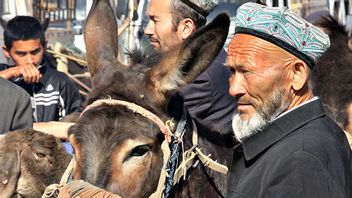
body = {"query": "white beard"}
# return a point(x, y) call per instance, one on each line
point(245, 128)
point(261, 118)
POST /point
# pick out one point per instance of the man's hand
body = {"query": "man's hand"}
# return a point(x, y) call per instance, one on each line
point(29, 72)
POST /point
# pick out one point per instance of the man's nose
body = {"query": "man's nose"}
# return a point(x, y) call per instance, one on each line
point(236, 86)
point(30, 59)
point(148, 30)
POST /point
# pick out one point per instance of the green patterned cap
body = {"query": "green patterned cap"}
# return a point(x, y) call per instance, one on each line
point(204, 7)
point(283, 28)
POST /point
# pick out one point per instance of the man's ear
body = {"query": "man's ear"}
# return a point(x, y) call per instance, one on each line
point(6, 52)
point(185, 28)
point(300, 74)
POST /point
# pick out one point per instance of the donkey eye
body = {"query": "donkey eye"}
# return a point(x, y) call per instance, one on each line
point(140, 150)
point(40, 155)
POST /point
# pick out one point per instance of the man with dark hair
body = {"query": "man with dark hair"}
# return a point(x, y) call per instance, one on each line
point(15, 108)
point(171, 22)
point(53, 94)
point(289, 146)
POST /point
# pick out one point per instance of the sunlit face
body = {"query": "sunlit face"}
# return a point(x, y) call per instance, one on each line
point(258, 77)
point(163, 36)
point(259, 82)
point(26, 52)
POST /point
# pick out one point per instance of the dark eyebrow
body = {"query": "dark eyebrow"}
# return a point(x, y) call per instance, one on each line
point(240, 67)
point(152, 17)
point(20, 52)
point(35, 50)
point(23, 53)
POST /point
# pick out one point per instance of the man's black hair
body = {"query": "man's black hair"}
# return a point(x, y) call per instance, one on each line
point(23, 28)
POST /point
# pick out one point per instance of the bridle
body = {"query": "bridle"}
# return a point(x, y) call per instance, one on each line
point(165, 128)
point(171, 172)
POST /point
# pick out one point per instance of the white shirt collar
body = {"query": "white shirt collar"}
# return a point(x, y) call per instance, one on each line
point(304, 103)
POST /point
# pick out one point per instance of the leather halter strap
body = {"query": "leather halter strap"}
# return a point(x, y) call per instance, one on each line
point(136, 109)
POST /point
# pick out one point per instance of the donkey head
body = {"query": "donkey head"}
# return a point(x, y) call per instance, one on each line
point(30, 161)
point(115, 148)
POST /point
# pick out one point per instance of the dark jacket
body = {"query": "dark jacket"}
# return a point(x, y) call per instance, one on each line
point(53, 97)
point(207, 98)
point(15, 107)
point(301, 154)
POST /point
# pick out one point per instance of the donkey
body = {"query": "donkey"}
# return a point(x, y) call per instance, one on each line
point(120, 149)
point(332, 75)
point(30, 161)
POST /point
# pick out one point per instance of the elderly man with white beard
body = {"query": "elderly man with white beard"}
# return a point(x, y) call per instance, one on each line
point(288, 146)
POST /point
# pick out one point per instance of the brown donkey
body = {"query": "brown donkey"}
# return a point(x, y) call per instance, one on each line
point(30, 161)
point(118, 138)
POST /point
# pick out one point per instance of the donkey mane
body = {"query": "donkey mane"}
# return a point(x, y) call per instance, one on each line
point(336, 31)
point(142, 57)
point(331, 76)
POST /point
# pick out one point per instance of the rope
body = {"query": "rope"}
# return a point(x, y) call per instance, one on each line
point(136, 109)
point(175, 149)
point(163, 174)
point(67, 176)
point(172, 168)
point(190, 155)
point(53, 190)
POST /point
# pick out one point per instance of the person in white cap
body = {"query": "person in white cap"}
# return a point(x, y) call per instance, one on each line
point(207, 99)
point(289, 147)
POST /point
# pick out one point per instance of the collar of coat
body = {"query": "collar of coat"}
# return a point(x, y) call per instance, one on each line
point(281, 127)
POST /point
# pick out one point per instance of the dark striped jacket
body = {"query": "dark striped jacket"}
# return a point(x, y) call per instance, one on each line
point(53, 97)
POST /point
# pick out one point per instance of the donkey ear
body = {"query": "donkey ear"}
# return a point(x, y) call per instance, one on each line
point(10, 170)
point(100, 36)
point(202, 48)
point(45, 24)
point(196, 54)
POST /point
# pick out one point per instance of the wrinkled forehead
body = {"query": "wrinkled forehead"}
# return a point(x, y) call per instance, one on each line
point(245, 44)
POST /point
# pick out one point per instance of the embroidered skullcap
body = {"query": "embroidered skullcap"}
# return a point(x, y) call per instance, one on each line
point(283, 28)
point(204, 7)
